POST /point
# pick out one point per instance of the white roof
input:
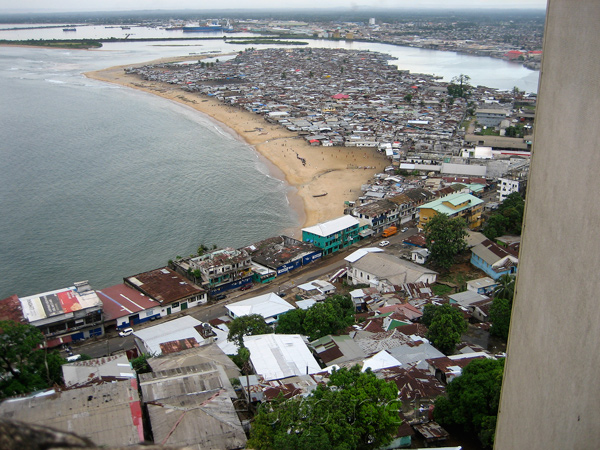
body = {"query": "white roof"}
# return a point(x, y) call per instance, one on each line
point(173, 330)
point(333, 226)
point(379, 361)
point(267, 305)
point(276, 356)
point(305, 304)
point(355, 256)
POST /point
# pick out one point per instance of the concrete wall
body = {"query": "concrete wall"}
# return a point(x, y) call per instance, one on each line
point(551, 392)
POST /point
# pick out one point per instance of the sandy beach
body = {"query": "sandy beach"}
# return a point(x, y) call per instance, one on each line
point(337, 172)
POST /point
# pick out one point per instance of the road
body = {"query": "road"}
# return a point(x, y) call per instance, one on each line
point(113, 343)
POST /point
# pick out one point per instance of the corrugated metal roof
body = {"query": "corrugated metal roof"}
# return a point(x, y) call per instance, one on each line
point(107, 413)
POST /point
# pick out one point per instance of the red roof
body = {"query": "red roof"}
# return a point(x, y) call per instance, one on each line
point(340, 96)
point(121, 300)
point(11, 309)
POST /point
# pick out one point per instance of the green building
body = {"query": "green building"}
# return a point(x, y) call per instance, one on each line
point(333, 235)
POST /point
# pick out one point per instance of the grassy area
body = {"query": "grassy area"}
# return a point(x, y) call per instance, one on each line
point(441, 289)
point(488, 132)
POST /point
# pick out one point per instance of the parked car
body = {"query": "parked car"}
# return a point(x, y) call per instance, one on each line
point(404, 230)
point(73, 358)
point(219, 297)
point(246, 287)
point(384, 243)
point(125, 332)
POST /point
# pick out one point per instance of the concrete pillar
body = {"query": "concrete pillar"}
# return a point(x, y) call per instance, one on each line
point(551, 392)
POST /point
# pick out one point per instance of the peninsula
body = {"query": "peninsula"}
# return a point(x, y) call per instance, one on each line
point(338, 172)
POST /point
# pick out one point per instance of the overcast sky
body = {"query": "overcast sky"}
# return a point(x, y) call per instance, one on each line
point(124, 5)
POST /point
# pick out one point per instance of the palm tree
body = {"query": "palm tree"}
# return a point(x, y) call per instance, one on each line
point(505, 288)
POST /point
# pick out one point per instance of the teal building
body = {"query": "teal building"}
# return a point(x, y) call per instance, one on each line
point(333, 235)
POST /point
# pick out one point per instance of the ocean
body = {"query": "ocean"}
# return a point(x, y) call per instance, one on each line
point(101, 182)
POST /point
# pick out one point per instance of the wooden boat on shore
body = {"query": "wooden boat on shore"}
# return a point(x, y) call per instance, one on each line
point(320, 195)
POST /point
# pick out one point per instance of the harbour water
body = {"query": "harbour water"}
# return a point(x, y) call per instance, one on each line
point(100, 182)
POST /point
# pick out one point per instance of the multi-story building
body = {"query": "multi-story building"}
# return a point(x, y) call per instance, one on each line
point(490, 117)
point(333, 235)
point(507, 186)
point(455, 205)
point(174, 292)
point(409, 201)
point(379, 214)
point(65, 315)
point(223, 269)
point(279, 255)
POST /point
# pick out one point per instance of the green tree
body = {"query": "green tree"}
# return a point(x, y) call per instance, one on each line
point(292, 322)
point(445, 239)
point(329, 317)
point(247, 326)
point(24, 366)
point(408, 98)
point(140, 364)
point(446, 328)
point(355, 410)
point(501, 308)
point(505, 288)
point(495, 226)
point(472, 399)
point(500, 317)
point(459, 86)
point(508, 218)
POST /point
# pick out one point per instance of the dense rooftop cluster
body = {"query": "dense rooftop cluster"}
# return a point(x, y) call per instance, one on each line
point(333, 96)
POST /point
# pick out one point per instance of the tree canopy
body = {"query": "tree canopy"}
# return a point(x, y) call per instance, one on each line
point(355, 410)
point(247, 326)
point(508, 218)
point(24, 366)
point(472, 399)
point(446, 327)
point(328, 317)
point(501, 308)
point(445, 238)
point(459, 86)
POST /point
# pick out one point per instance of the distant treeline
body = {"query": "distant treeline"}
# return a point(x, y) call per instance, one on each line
point(57, 43)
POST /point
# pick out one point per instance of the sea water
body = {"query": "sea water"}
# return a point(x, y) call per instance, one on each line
point(100, 182)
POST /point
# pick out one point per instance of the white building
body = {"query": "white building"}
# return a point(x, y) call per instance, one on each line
point(382, 270)
point(507, 186)
point(148, 340)
point(276, 356)
point(269, 306)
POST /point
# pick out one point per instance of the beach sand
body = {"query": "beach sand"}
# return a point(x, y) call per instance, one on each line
point(338, 172)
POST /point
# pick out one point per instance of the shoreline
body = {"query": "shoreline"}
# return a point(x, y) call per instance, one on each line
point(337, 172)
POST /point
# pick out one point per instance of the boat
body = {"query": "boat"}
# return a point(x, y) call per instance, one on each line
point(210, 26)
point(69, 29)
point(320, 195)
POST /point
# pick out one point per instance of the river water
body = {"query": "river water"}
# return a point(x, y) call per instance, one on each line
point(101, 182)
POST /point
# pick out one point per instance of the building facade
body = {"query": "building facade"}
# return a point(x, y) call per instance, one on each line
point(455, 205)
point(65, 315)
point(333, 235)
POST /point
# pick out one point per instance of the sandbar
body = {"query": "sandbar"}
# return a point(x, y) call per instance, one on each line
point(330, 175)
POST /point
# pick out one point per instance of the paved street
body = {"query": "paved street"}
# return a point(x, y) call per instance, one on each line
point(113, 343)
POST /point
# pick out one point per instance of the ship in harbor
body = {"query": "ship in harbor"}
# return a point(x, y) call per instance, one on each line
point(69, 29)
point(209, 26)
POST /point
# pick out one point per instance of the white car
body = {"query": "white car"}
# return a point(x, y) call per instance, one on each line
point(125, 332)
point(384, 243)
point(404, 230)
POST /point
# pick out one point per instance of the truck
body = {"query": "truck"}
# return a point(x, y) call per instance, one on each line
point(390, 231)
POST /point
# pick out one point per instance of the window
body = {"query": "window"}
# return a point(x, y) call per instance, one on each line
point(175, 305)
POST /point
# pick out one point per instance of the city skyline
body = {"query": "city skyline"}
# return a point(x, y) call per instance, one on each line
point(42, 6)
